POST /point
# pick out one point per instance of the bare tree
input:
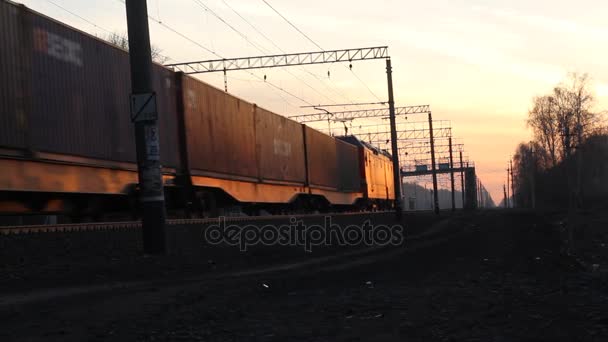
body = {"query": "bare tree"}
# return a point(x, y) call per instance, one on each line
point(544, 122)
point(529, 160)
point(574, 100)
point(561, 121)
point(122, 42)
point(600, 125)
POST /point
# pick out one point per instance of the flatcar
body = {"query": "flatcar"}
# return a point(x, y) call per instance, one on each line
point(67, 143)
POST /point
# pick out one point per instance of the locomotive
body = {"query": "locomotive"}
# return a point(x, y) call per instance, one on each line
point(67, 142)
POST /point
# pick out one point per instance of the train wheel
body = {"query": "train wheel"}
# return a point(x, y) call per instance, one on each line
point(208, 204)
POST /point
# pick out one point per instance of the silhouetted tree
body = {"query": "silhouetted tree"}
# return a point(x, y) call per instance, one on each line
point(122, 41)
point(558, 165)
point(529, 160)
point(562, 120)
point(544, 123)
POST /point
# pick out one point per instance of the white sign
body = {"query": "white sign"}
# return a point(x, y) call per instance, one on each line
point(58, 47)
point(143, 107)
point(152, 145)
point(282, 148)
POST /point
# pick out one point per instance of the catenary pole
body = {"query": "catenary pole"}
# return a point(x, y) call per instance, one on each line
point(144, 116)
point(394, 146)
point(433, 165)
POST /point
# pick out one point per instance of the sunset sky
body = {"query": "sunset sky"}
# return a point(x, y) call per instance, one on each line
point(477, 63)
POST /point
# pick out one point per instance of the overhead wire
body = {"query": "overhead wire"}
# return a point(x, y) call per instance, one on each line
point(283, 51)
point(292, 25)
point(218, 55)
point(78, 16)
point(93, 23)
point(256, 46)
point(218, 17)
point(317, 45)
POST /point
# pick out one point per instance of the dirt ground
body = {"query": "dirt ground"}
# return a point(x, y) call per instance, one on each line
point(492, 276)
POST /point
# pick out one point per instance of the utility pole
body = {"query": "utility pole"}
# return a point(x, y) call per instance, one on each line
point(504, 189)
point(394, 147)
point(579, 160)
point(462, 180)
point(433, 166)
point(480, 195)
point(508, 185)
point(479, 199)
point(533, 178)
point(452, 175)
point(512, 183)
point(144, 115)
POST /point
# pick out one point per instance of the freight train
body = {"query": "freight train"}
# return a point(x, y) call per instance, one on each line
point(67, 142)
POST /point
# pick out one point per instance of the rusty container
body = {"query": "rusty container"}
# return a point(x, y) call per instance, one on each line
point(12, 99)
point(280, 148)
point(322, 157)
point(348, 166)
point(70, 91)
point(220, 132)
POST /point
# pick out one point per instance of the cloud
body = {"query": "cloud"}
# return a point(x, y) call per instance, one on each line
point(548, 23)
point(484, 56)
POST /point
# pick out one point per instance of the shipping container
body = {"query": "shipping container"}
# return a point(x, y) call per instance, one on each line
point(348, 167)
point(166, 101)
point(75, 89)
point(220, 133)
point(279, 147)
point(13, 120)
point(321, 156)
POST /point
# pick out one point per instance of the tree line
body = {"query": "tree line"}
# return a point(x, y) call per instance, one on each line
point(566, 164)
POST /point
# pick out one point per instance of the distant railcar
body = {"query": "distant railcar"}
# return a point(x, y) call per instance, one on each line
point(376, 172)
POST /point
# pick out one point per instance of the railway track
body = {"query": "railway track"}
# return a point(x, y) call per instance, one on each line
point(126, 225)
point(436, 233)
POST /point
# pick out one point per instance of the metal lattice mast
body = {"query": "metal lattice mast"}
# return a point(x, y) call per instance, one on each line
point(282, 60)
point(360, 114)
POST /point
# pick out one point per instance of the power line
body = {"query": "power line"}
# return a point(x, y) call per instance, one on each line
point(292, 25)
point(319, 46)
point(365, 84)
point(91, 22)
point(283, 51)
point(252, 26)
point(78, 16)
point(218, 17)
point(261, 49)
point(258, 47)
point(279, 88)
point(217, 54)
